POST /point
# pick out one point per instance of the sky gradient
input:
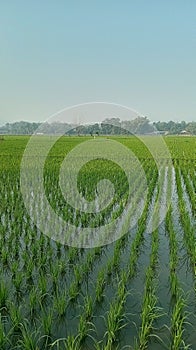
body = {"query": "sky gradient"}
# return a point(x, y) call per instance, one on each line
point(54, 54)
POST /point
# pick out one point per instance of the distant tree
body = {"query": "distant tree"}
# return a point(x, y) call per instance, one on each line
point(191, 127)
point(139, 125)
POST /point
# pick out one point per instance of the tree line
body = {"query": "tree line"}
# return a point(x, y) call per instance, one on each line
point(110, 126)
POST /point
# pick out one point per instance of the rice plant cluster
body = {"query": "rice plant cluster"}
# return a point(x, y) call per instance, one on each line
point(138, 292)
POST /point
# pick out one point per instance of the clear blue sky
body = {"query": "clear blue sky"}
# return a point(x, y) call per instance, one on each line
point(139, 53)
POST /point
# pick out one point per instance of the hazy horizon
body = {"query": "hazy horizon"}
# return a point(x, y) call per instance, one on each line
point(58, 54)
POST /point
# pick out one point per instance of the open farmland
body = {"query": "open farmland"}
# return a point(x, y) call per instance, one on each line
point(138, 292)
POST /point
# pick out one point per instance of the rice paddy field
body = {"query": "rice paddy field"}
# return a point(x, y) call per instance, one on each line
point(138, 292)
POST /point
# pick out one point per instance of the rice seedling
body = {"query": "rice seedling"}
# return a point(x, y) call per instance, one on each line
point(29, 339)
point(73, 290)
point(177, 325)
point(33, 300)
point(3, 294)
point(61, 301)
point(69, 343)
point(88, 307)
point(16, 317)
point(4, 337)
point(115, 320)
point(17, 281)
point(47, 321)
point(100, 284)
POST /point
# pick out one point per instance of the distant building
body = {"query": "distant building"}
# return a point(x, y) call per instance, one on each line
point(185, 133)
